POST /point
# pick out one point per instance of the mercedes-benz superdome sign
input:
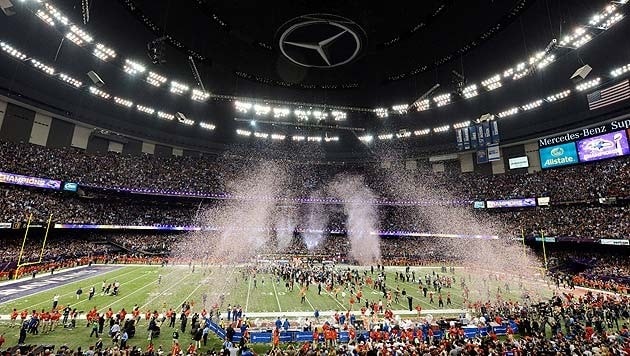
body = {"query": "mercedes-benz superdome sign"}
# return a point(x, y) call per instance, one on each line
point(321, 40)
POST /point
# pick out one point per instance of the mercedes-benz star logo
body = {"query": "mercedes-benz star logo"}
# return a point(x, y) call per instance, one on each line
point(321, 41)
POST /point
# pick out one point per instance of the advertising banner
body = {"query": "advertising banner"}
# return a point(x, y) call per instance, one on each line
point(609, 145)
point(600, 129)
point(558, 156)
point(518, 162)
point(17, 179)
point(615, 242)
point(494, 153)
point(511, 203)
point(5, 225)
point(547, 239)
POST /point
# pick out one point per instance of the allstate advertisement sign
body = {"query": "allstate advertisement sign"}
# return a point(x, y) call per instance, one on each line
point(557, 156)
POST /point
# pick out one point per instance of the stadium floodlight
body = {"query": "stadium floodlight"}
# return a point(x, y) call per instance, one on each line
point(56, 14)
point(199, 95)
point(165, 116)
point(606, 18)
point(588, 85)
point(401, 109)
point(314, 139)
point(261, 110)
point(43, 67)
point(45, 17)
point(338, 115)
point(441, 129)
point(508, 112)
point(68, 79)
point(547, 60)
point(185, 121)
point(207, 126)
point(508, 73)
point(99, 93)
point(423, 105)
point(492, 83)
point(302, 114)
point(78, 36)
point(577, 39)
point(123, 102)
point(331, 139)
point(298, 138)
point(278, 137)
point(366, 138)
point(103, 52)
point(381, 112)
point(422, 132)
point(7, 48)
point(611, 21)
point(558, 96)
point(403, 134)
point(385, 137)
point(442, 99)
point(461, 125)
point(280, 112)
point(145, 109)
point(242, 107)
point(243, 132)
point(155, 79)
point(532, 105)
point(133, 68)
point(178, 88)
point(621, 70)
point(319, 115)
point(261, 135)
point(470, 91)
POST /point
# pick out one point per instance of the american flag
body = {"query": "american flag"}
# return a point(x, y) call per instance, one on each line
point(609, 96)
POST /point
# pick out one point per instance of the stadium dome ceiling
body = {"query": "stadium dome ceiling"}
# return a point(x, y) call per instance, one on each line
point(360, 55)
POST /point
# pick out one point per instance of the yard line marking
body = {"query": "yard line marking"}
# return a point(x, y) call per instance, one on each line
point(249, 286)
point(336, 300)
point(167, 289)
point(130, 294)
point(65, 294)
point(276, 294)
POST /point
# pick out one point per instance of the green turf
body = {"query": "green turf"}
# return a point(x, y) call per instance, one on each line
point(178, 284)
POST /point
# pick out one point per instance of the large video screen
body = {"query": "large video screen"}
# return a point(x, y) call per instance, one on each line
point(558, 156)
point(604, 146)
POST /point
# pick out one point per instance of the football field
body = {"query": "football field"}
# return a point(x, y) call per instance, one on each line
point(159, 288)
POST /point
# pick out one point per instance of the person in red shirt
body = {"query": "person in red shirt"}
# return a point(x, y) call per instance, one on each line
point(14, 316)
point(1, 339)
point(315, 336)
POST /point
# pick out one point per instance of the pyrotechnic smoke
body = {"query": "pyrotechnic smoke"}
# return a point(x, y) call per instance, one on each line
point(361, 218)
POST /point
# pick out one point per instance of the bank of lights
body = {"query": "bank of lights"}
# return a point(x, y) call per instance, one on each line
point(470, 91)
point(366, 138)
point(103, 52)
point(400, 108)
point(314, 139)
point(78, 36)
point(461, 125)
point(43, 67)
point(99, 93)
point(547, 60)
point(178, 88)
point(261, 110)
point(242, 107)
point(156, 79)
point(243, 132)
point(199, 95)
point(68, 79)
point(280, 113)
point(492, 83)
point(422, 132)
point(278, 137)
point(261, 135)
point(532, 105)
point(165, 116)
point(319, 115)
point(608, 17)
point(441, 129)
point(577, 39)
point(338, 115)
point(207, 126)
point(123, 102)
point(56, 14)
point(301, 114)
point(7, 48)
point(403, 134)
point(508, 112)
point(45, 17)
point(133, 68)
point(145, 109)
point(331, 139)
point(381, 112)
point(298, 138)
point(621, 70)
point(185, 121)
point(385, 137)
point(423, 105)
point(443, 99)
point(588, 85)
point(559, 96)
